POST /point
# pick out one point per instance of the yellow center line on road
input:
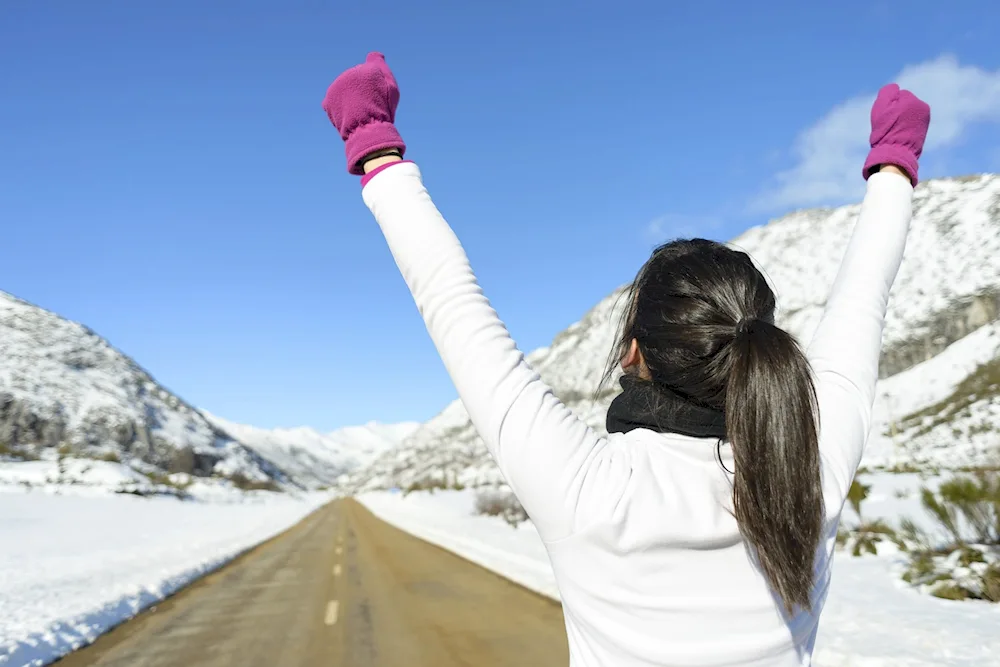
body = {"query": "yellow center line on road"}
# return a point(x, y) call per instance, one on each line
point(332, 608)
point(336, 570)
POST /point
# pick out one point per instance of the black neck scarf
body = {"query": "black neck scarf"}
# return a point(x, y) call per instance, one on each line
point(643, 405)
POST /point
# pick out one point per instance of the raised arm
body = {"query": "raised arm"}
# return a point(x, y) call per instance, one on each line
point(548, 456)
point(845, 350)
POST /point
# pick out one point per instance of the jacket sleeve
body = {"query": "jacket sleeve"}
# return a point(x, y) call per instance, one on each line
point(548, 456)
point(844, 352)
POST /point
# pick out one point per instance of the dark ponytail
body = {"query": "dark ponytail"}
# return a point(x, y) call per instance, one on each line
point(702, 315)
point(771, 423)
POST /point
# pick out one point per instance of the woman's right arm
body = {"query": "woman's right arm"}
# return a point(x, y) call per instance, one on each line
point(845, 350)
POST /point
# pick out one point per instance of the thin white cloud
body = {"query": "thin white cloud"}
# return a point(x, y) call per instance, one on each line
point(827, 156)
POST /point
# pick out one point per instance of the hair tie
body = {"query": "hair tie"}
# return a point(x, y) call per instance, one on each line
point(745, 325)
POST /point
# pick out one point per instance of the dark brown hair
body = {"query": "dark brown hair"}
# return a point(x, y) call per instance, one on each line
point(703, 318)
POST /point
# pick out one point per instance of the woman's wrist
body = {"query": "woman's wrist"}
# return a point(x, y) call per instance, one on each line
point(370, 163)
point(892, 169)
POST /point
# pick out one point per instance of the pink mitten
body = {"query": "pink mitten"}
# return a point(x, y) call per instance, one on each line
point(361, 104)
point(899, 127)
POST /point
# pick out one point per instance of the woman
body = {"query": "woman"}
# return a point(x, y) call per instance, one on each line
point(700, 530)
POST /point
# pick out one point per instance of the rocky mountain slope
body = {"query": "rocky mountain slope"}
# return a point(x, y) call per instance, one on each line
point(939, 403)
point(314, 459)
point(66, 390)
point(67, 394)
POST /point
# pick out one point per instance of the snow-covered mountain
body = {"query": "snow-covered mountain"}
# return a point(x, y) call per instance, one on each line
point(939, 402)
point(65, 389)
point(315, 459)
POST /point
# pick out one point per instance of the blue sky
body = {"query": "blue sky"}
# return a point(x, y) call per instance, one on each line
point(168, 178)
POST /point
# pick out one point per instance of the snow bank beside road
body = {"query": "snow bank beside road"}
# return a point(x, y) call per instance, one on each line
point(72, 567)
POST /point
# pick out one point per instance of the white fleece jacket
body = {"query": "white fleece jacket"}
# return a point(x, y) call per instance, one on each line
point(650, 564)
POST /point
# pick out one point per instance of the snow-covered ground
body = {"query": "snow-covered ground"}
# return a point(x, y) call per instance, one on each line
point(90, 477)
point(74, 565)
point(84, 476)
point(872, 619)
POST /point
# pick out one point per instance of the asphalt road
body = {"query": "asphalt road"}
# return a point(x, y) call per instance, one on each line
point(340, 588)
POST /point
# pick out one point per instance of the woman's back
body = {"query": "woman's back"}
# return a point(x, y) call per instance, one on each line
point(665, 577)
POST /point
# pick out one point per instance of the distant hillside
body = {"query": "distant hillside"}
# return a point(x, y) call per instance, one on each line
point(65, 389)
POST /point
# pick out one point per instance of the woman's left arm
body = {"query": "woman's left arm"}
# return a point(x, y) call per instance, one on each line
point(549, 457)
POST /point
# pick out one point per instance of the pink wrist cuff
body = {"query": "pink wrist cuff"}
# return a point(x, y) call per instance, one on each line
point(371, 174)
